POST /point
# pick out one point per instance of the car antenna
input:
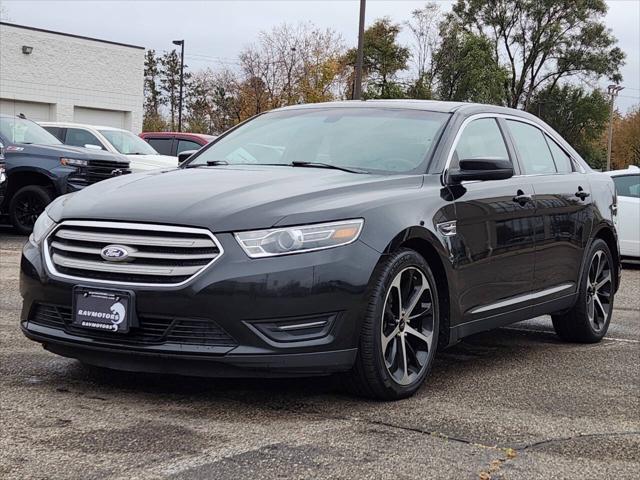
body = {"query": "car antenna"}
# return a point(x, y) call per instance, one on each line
point(22, 115)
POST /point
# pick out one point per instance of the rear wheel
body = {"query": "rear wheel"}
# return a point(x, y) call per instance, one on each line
point(400, 329)
point(26, 206)
point(588, 320)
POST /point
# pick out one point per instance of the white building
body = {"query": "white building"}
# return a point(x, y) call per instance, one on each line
point(62, 77)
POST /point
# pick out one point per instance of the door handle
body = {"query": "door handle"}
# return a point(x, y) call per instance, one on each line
point(521, 198)
point(581, 194)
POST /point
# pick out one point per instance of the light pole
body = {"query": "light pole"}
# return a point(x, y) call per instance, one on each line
point(357, 86)
point(181, 43)
point(613, 91)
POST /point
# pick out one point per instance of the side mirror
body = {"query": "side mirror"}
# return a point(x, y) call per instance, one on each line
point(182, 156)
point(91, 146)
point(481, 169)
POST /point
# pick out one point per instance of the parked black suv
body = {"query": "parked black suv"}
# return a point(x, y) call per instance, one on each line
point(39, 168)
point(347, 237)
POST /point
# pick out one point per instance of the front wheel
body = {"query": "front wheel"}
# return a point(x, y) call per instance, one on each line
point(400, 329)
point(588, 320)
point(26, 206)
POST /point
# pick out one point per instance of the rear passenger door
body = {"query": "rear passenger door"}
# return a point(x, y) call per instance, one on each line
point(563, 208)
point(162, 145)
point(495, 229)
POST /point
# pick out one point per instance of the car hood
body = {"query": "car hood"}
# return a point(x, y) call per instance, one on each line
point(230, 198)
point(140, 163)
point(63, 151)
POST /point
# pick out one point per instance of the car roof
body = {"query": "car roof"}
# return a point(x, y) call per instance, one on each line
point(426, 105)
point(81, 125)
point(179, 134)
point(631, 170)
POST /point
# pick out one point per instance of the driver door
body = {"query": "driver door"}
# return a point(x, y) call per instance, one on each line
point(495, 229)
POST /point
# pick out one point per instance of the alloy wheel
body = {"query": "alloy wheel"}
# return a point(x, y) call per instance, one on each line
point(599, 288)
point(28, 209)
point(407, 326)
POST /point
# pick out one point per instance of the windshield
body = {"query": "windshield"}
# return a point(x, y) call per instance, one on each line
point(372, 139)
point(20, 130)
point(127, 143)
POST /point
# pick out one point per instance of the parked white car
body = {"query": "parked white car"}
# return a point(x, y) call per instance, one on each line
point(628, 187)
point(114, 140)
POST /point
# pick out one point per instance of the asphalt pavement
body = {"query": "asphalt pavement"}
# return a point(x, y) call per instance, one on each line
point(515, 403)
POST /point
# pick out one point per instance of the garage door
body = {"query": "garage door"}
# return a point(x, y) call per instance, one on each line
point(96, 116)
point(33, 110)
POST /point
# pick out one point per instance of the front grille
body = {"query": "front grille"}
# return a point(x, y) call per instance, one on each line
point(156, 254)
point(102, 169)
point(152, 329)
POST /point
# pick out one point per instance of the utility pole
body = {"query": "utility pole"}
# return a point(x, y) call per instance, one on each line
point(357, 86)
point(613, 91)
point(181, 43)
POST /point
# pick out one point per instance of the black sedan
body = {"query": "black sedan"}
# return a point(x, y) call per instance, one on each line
point(351, 237)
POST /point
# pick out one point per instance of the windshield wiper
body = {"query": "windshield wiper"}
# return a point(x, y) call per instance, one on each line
point(210, 163)
point(327, 165)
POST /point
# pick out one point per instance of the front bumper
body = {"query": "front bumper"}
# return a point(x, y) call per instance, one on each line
point(239, 302)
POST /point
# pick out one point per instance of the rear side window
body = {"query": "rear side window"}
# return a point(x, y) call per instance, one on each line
point(187, 145)
point(55, 131)
point(481, 139)
point(532, 147)
point(161, 145)
point(628, 185)
point(80, 138)
point(563, 161)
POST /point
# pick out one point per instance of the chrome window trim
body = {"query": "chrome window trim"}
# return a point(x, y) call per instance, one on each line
point(505, 116)
point(51, 270)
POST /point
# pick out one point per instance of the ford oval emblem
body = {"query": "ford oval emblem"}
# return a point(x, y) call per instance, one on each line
point(114, 253)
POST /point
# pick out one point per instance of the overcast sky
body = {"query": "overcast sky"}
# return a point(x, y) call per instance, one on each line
point(215, 31)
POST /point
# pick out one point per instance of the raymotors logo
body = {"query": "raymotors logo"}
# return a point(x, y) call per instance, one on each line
point(117, 316)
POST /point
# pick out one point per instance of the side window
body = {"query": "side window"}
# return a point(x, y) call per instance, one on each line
point(79, 138)
point(187, 145)
point(532, 147)
point(481, 139)
point(563, 161)
point(628, 185)
point(161, 145)
point(55, 131)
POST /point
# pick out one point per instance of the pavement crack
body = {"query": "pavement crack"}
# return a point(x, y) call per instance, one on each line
point(575, 437)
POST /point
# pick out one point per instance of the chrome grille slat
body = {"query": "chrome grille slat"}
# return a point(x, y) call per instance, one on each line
point(157, 255)
point(132, 239)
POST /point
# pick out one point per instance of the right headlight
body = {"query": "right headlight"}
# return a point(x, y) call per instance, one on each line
point(304, 238)
point(44, 224)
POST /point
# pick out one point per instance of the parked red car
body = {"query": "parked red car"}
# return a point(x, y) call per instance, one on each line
point(172, 143)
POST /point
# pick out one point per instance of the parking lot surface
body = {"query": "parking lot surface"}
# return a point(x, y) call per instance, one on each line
point(514, 403)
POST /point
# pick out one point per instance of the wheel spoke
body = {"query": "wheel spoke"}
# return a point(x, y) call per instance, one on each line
point(405, 365)
point(601, 307)
point(396, 285)
point(604, 281)
point(600, 264)
point(412, 331)
point(590, 308)
point(387, 338)
point(413, 301)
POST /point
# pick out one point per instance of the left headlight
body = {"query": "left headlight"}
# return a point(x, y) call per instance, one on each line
point(73, 162)
point(41, 229)
point(305, 238)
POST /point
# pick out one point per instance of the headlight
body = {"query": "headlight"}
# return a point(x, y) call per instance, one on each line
point(306, 238)
point(73, 162)
point(41, 228)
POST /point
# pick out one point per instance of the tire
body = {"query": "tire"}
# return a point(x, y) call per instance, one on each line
point(26, 205)
point(589, 319)
point(381, 374)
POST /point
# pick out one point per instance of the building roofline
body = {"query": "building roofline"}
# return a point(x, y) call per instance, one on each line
point(35, 29)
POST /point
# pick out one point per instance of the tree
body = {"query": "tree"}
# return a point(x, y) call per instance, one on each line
point(466, 69)
point(543, 41)
point(625, 148)
point(383, 59)
point(423, 26)
point(153, 99)
point(170, 83)
point(579, 117)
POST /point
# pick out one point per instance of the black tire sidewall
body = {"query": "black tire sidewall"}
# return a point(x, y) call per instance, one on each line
point(399, 262)
point(45, 195)
point(597, 245)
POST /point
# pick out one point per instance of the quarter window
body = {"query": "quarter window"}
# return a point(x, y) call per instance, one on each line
point(563, 161)
point(628, 185)
point(481, 139)
point(532, 147)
